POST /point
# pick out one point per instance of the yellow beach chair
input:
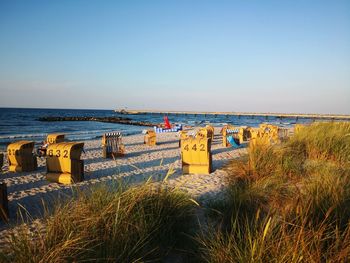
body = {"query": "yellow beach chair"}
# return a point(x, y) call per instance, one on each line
point(20, 157)
point(63, 162)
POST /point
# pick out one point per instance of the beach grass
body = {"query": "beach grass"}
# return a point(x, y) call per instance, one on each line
point(286, 203)
point(109, 224)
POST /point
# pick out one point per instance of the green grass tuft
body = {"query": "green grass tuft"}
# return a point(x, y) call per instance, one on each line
point(118, 225)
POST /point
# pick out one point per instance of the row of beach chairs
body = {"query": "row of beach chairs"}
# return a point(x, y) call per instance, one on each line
point(267, 134)
point(64, 164)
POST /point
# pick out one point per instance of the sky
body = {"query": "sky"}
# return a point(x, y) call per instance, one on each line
point(245, 56)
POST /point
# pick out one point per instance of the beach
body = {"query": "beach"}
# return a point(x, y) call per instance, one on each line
point(29, 191)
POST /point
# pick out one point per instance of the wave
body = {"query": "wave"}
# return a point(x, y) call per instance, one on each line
point(17, 136)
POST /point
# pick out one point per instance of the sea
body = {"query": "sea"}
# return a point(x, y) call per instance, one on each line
point(23, 124)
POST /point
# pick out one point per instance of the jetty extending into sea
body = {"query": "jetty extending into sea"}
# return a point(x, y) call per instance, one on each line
point(241, 114)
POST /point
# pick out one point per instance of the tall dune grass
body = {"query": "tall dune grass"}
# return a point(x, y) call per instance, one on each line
point(325, 141)
point(287, 203)
point(109, 225)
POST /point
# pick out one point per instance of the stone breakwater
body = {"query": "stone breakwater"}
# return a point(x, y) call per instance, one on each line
point(119, 120)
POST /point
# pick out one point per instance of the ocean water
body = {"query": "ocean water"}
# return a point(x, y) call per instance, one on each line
point(22, 124)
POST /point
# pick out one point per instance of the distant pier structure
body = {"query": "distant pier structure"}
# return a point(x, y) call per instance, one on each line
point(333, 117)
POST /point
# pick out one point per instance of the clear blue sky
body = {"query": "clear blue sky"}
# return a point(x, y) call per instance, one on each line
point(267, 56)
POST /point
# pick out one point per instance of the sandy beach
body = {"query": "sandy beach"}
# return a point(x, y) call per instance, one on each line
point(27, 192)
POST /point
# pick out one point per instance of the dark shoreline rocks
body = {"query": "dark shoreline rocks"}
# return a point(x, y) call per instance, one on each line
point(119, 120)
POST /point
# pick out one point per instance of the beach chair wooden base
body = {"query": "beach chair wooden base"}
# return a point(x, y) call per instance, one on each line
point(63, 178)
point(111, 155)
point(196, 169)
point(28, 165)
point(76, 175)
